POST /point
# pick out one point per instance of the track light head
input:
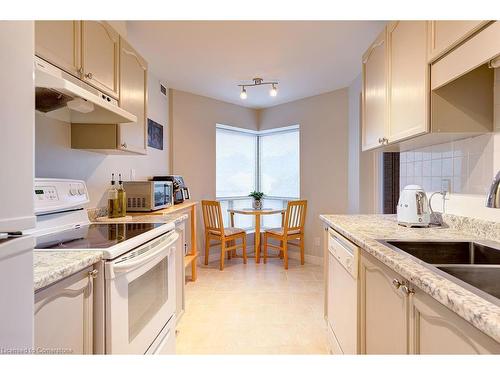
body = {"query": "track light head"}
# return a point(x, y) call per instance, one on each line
point(274, 91)
point(243, 93)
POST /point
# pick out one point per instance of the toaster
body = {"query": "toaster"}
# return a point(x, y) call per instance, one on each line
point(413, 207)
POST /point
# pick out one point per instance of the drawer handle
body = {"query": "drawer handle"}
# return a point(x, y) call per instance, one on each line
point(89, 75)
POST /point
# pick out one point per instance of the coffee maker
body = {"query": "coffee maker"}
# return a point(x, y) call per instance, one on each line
point(181, 192)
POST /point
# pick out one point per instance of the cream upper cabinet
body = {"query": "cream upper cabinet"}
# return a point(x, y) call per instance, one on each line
point(63, 314)
point(100, 56)
point(383, 309)
point(127, 137)
point(374, 94)
point(408, 79)
point(133, 98)
point(435, 329)
point(444, 35)
point(58, 42)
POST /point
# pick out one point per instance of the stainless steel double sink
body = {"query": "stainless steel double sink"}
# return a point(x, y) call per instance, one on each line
point(475, 264)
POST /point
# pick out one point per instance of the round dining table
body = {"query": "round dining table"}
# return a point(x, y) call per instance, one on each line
point(257, 213)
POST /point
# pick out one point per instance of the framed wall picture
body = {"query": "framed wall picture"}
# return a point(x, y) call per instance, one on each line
point(155, 134)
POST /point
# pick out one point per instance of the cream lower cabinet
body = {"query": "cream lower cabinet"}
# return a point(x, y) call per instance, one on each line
point(398, 318)
point(63, 316)
point(434, 329)
point(383, 309)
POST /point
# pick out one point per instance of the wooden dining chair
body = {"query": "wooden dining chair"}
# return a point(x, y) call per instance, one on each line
point(214, 230)
point(292, 229)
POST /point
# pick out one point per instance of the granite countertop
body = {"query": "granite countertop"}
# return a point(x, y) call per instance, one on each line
point(365, 230)
point(52, 266)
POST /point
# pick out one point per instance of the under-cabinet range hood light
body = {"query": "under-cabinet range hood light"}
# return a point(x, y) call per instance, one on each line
point(61, 96)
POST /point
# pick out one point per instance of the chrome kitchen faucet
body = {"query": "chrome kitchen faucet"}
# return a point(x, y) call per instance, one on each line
point(493, 199)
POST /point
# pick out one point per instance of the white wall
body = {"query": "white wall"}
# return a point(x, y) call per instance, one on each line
point(324, 138)
point(55, 158)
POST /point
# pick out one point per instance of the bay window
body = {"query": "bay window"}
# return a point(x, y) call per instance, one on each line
point(267, 161)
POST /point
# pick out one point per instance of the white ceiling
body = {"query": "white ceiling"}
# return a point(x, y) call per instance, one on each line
point(211, 57)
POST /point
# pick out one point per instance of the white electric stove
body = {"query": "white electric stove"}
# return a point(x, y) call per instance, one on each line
point(139, 269)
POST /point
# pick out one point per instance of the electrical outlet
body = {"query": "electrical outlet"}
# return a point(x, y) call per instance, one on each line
point(132, 174)
point(316, 241)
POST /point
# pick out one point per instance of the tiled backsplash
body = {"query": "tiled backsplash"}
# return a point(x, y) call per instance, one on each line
point(468, 164)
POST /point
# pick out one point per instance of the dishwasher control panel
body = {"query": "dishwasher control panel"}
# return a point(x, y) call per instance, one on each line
point(346, 253)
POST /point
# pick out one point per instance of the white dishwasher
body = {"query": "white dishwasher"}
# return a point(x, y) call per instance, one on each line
point(342, 297)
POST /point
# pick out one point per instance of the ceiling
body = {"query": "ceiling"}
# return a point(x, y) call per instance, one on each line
point(211, 58)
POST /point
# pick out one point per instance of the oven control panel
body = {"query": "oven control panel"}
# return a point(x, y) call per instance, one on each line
point(54, 195)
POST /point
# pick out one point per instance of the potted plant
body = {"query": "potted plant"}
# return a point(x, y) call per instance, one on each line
point(257, 199)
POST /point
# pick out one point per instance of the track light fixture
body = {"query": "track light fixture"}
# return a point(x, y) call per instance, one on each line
point(258, 82)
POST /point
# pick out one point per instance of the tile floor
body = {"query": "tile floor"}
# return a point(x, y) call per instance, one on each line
point(254, 309)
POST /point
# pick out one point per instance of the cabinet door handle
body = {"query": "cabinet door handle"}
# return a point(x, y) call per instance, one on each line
point(93, 274)
point(408, 291)
point(124, 145)
point(397, 284)
point(88, 75)
point(383, 141)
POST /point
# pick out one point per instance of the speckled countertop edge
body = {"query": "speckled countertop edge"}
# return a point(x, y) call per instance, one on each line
point(365, 230)
point(52, 266)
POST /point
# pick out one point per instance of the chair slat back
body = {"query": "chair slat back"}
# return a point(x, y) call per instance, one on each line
point(295, 215)
point(212, 216)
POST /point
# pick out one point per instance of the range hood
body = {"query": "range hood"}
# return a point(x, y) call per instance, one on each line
point(61, 96)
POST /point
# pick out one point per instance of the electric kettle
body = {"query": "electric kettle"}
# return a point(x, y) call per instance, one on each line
point(413, 207)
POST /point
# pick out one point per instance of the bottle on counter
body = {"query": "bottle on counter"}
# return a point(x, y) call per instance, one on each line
point(113, 206)
point(122, 198)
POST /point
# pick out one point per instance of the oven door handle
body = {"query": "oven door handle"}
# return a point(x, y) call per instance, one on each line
point(165, 245)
